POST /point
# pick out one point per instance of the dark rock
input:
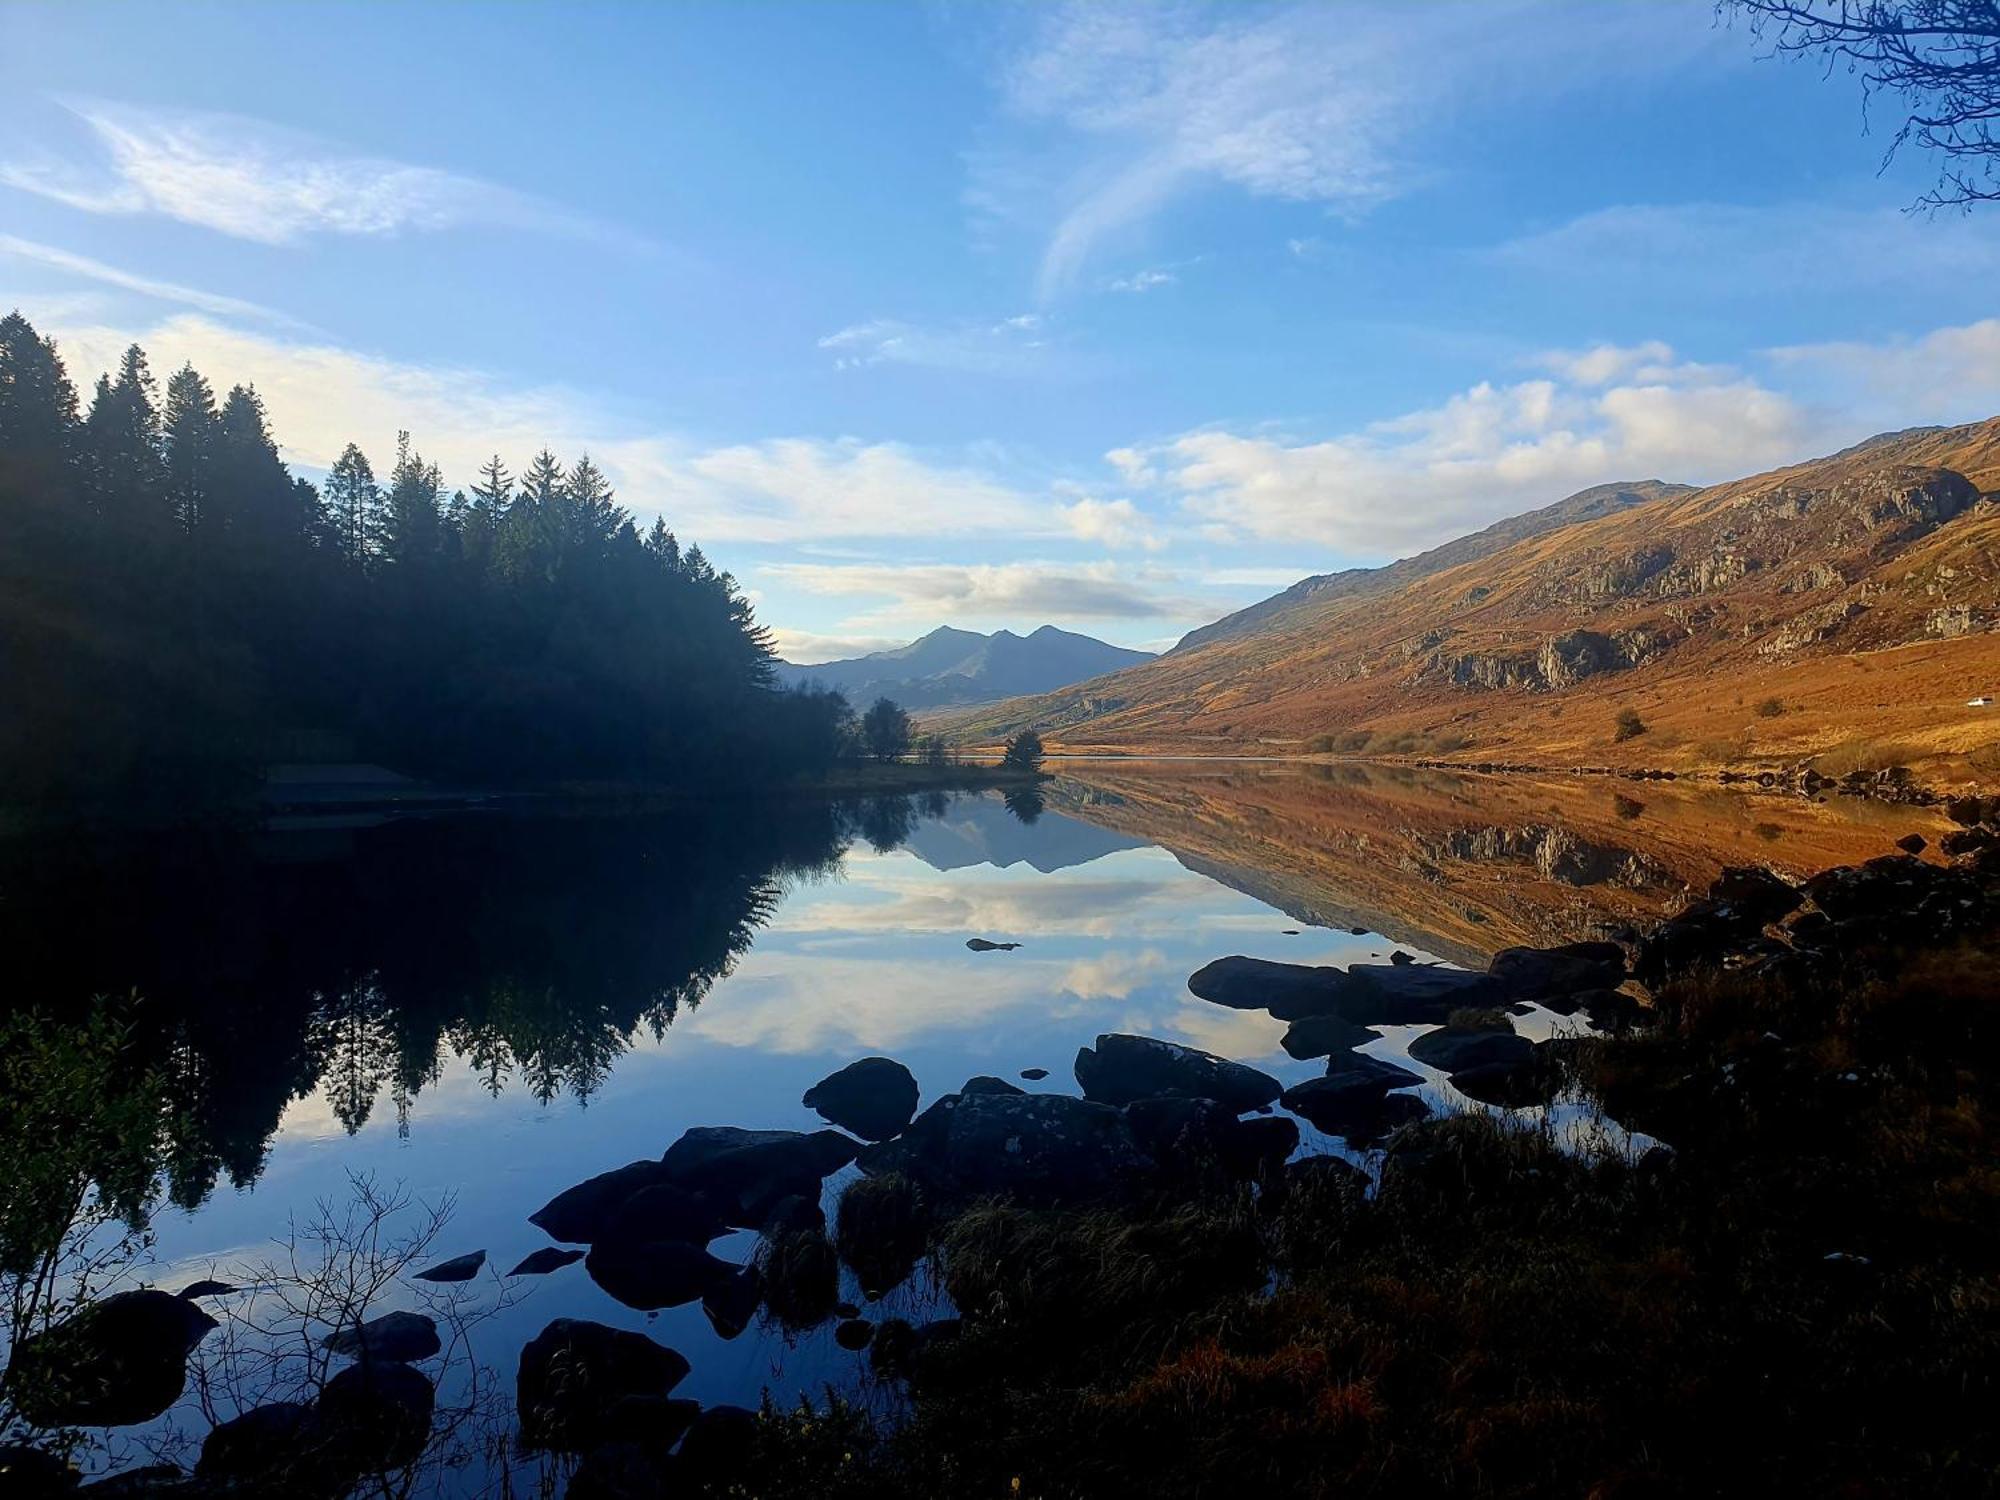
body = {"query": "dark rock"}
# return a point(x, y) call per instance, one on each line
point(400, 1336)
point(1358, 931)
point(1510, 1084)
point(855, 1334)
point(548, 1258)
point(746, 1172)
point(618, 1471)
point(1415, 993)
point(113, 1363)
point(1177, 1131)
point(717, 1446)
point(376, 1417)
point(1125, 1068)
point(580, 1215)
point(1034, 1075)
point(654, 1422)
point(984, 945)
point(572, 1373)
point(458, 1268)
point(1457, 1050)
point(664, 1211)
point(793, 1214)
point(1611, 1011)
point(1322, 1036)
point(1883, 887)
point(266, 1443)
point(1913, 843)
point(874, 1098)
point(731, 1303)
point(1039, 1146)
point(986, 1083)
point(1533, 972)
point(205, 1288)
point(1287, 991)
point(1257, 1147)
point(1353, 1086)
point(1758, 895)
point(1701, 937)
point(1968, 812)
point(1967, 841)
point(1400, 959)
point(651, 1274)
point(32, 1474)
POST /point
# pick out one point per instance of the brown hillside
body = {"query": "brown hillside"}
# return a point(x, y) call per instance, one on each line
point(1844, 609)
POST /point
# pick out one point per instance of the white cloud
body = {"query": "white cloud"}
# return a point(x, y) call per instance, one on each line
point(1313, 104)
point(1021, 590)
point(1143, 281)
point(1112, 523)
point(161, 291)
point(258, 181)
point(805, 649)
point(1011, 346)
point(1755, 251)
point(1950, 374)
point(1490, 451)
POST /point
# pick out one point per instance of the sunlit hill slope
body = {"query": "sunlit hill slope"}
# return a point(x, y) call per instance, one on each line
point(1844, 609)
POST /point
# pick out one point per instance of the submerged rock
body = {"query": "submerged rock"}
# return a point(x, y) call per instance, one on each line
point(854, 1334)
point(730, 1304)
point(206, 1288)
point(874, 1098)
point(375, 1417)
point(458, 1268)
point(580, 1215)
point(651, 1274)
point(746, 1172)
point(1034, 1075)
point(1534, 972)
point(547, 1259)
point(263, 1445)
point(1456, 1049)
point(1123, 1068)
point(400, 1336)
point(573, 1372)
point(1287, 991)
point(114, 1363)
point(1038, 1146)
point(664, 1211)
point(986, 1083)
point(1351, 1094)
point(986, 945)
point(1406, 994)
point(1322, 1036)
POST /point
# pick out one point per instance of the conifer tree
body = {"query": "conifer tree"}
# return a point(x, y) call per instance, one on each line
point(188, 437)
point(413, 514)
point(353, 503)
point(121, 446)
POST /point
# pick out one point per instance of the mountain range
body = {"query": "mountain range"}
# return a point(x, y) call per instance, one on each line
point(962, 666)
point(1844, 607)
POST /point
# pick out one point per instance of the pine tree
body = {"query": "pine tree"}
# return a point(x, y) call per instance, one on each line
point(664, 547)
point(495, 491)
point(188, 437)
point(121, 447)
point(590, 518)
point(353, 502)
point(413, 516)
point(252, 491)
point(38, 422)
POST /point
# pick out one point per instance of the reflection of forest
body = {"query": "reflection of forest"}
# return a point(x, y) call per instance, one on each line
point(1465, 865)
point(264, 968)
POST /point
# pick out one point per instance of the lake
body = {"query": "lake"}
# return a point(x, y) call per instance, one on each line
point(478, 1012)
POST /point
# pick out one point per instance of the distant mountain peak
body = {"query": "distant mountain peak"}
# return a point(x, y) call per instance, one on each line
point(952, 666)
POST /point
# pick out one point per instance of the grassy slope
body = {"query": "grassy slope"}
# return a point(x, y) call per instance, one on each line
point(1356, 663)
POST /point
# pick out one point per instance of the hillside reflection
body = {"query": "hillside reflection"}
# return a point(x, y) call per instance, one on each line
point(1465, 865)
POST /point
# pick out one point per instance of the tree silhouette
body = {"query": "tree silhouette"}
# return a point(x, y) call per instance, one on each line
point(885, 730)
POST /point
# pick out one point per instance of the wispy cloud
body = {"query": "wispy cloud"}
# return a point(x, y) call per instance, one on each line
point(1307, 103)
point(1143, 281)
point(258, 181)
point(1020, 590)
point(805, 648)
point(1490, 451)
point(84, 267)
point(1016, 345)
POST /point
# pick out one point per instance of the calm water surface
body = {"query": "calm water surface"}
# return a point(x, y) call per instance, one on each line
point(486, 1011)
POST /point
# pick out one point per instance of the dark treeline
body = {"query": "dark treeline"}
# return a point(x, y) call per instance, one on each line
point(244, 973)
point(177, 608)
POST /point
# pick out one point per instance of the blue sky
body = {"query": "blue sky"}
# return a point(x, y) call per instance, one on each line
point(1116, 317)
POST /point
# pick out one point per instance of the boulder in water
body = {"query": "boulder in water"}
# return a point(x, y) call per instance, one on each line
point(745, 1172)
point(651, 1274)
point(1456, 1049)
point(572, 1374)
point(874, 1098)
point(262, 1446)
point(1123, 1068)
point(458, 1268)
point(1322, 1036)
point(375, 1417)
point(114, 1363)
point(548, 1258)
point(580, 1215)
point(401, 1336)
point(1287, 991)
point(1040, 1147)
point(1349, 1097)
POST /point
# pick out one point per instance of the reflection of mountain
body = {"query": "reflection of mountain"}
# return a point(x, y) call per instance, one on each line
point(351, 965)
point(1464, 865)
point(982, 830)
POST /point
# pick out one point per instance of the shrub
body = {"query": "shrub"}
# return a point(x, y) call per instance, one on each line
point(1629, 726)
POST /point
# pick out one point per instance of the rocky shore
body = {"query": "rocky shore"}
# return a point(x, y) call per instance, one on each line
point(1159, 1285)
